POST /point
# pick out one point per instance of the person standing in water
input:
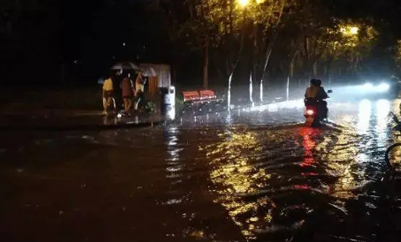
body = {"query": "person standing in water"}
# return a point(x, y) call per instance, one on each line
point(139, 88)
point(107, 94)
point(128, 90)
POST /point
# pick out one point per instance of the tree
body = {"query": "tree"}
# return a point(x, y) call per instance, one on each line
point(224, 21)
point(266, 17)
point(397, 54)
point(234, 24)
point(349, 44)
point(303, 38)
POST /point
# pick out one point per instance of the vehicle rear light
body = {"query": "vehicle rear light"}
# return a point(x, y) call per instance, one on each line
point(310, 112)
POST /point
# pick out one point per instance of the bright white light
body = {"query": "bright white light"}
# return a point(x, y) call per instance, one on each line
point(382, 110)
point(250, 89)
point(260, 108)
point(309, 112)
point(383, 87)
point(119, 115)
point(364, 116)
point(354, 30)
point(243, 3)
point(273, 108)
point(367, 86)
point(171, 114)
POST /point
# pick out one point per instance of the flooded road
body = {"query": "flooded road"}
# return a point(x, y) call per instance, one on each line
point(255, 174)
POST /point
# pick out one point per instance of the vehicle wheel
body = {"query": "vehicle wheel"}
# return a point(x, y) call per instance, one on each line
point(392, 156)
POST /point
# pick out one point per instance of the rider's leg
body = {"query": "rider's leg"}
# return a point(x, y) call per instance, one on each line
point(326, 110)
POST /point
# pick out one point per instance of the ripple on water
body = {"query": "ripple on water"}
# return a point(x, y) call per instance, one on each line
point(272, 180)
point(275, 182)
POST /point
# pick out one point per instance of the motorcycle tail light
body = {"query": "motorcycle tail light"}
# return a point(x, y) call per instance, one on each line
point(310, 112)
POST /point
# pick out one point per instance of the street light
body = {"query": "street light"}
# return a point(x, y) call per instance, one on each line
point(243, 3)
point(354, 30)
point(350, 30)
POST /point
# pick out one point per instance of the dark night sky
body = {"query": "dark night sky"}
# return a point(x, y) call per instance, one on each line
point(93, 32)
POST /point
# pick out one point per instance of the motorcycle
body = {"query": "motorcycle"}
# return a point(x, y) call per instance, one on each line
point(315, 112)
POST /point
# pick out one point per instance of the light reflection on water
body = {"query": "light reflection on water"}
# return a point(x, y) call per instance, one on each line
point(309, 145)
point(364, 114)
point(252, 178)
point(174, 165)
point(265, 180)
point(238, 177)
point(383, 109)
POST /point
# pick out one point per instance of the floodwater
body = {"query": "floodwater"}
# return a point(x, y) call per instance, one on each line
point(252, 175)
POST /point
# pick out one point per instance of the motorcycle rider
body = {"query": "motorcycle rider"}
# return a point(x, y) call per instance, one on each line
point(315, 95)
point(312, 90)
point(321, 95)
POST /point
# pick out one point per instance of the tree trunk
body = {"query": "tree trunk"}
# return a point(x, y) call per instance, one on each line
point(250, 88)
point(255, 84)
point(307, 58)
point(355, 66)
point(328, 71)
point(290, 75)
point(206, 66)
point(288, 88)
point(314, 66)
point(255, 65)
point(229, 91)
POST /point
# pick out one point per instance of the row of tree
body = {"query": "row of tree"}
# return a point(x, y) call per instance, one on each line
point(300, 37)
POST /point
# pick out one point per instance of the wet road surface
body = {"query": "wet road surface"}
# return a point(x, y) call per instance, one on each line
point(256, 174)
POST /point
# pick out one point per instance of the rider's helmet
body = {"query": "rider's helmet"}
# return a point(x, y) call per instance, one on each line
point(313, 82)
point(318, 82)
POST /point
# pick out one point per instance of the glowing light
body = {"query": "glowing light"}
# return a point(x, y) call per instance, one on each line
point(384, 87)
point(350, 30)
point(174, 167)
point(354, 30)
point(383, 109)
point(309, 112)
point(367, 86)
point(234, 175)
point(171, 114)
point(273, 108)
point(251, 89)
point(309, 145)
point(364, 116)
point(243, 3)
